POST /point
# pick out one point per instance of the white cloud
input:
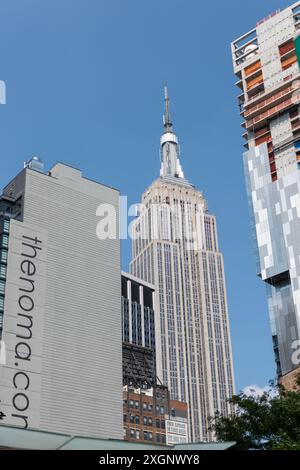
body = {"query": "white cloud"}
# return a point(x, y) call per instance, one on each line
point(257, 391)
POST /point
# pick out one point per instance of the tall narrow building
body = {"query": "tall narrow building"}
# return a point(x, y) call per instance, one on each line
point(175, 247)
point(265, 64)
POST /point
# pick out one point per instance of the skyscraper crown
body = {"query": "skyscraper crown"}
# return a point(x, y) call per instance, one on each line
point(170, 164)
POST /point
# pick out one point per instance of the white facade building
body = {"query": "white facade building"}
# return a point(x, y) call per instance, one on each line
point(175, 247)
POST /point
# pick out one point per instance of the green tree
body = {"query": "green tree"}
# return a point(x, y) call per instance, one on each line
point(270, 421)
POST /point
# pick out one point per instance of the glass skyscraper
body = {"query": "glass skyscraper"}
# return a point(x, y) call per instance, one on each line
point(175, 248)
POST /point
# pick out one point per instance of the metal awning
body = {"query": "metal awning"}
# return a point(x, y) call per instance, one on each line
point(16, 438)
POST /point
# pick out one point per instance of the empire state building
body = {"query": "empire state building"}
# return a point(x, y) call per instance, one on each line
point(175, 247)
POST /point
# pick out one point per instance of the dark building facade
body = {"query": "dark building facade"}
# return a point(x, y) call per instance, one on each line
point(138, 327)
point(137, 311)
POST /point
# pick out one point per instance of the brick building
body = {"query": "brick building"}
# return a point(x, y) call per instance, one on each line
point(151, 417)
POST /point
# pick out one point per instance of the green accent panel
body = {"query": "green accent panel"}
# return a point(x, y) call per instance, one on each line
point(297, 48)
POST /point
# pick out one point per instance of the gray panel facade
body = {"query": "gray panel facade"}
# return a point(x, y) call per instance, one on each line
point(275, 208)
point(76, 367)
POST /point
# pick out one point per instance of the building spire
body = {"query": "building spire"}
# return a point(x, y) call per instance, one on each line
point(170, 164)
point(167, 116)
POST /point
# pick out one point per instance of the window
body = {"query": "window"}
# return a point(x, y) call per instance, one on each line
point(137, 405)
point(157, 437)
point(124, 418)
point(131, 403)
point(163, 438)
point(144, 420)
point(137, 434)
point(146, 435)
point(2, 286)
point(2, 270)
point(162, 410)
point(150, 436)
point(3, 256)
point(131, 419)
point(137, 420)
point(144, 406)
point(173, 413)
point(6, 226)
point(132, 432)
point(150, 421)
point(157, 408)
point(158, 423)
point(5, 241)
point(150, 407)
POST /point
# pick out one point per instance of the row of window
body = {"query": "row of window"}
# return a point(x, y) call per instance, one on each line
point(5, 226)
point(147, 436)
point(146, 406)
point(3, 256)
point(147, 421)
point(4, 230)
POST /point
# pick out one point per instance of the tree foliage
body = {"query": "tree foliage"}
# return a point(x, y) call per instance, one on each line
point(270, 421)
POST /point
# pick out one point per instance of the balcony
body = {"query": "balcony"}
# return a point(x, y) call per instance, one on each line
point(250, 70)
point(245, 48)
point(296, 125)
point(263, 117)
point(276, 98)
point(270, 91)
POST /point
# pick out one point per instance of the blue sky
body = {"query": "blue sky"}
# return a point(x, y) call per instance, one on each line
point(85, 86)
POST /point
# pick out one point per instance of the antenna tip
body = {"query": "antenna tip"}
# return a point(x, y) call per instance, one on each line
point(166, 90)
